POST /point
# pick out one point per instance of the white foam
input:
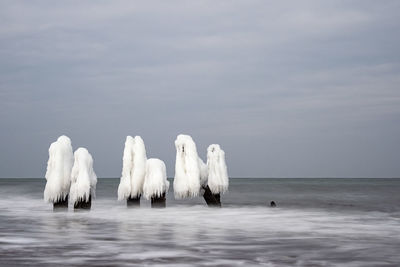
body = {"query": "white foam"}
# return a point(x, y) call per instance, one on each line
point(58, 173)
point(187, 171)
point(155, 183)
point(83, 177)
point(133, 168)
point(218, 180)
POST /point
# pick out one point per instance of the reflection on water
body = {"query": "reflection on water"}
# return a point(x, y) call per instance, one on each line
point(192, 234)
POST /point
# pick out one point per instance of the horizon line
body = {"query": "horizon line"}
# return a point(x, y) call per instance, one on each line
point(325, 177)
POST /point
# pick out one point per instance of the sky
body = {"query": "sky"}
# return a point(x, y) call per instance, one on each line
point(287, 88)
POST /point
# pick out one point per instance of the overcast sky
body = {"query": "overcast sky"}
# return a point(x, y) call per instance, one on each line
point(287, 88)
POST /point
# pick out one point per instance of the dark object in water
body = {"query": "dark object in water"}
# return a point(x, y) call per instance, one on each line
point(83, 204)
point(218, 198)
point(61, 204)
point(133, 201)
point(272, 204)
point(212, 200)
point(158, 202)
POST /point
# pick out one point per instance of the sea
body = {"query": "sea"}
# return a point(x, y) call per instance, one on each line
point(316, 222)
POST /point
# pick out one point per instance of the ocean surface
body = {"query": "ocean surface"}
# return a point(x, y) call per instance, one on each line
point(317, 222)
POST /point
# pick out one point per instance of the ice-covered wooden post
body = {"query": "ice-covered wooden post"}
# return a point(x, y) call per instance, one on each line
point(133, 171)
point(208, 196)
point(218, 180)
point(187, 171)
point(58, 173)
point(133, 201)
point(156, 184)
point(211, 199)
point(84, 180)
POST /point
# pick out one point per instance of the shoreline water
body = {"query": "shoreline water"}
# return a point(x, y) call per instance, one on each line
point(328, 223)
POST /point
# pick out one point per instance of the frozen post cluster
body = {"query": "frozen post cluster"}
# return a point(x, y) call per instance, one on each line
point(72, 176)
point(141, 176)
point(58, 174)
point(192, 174)
point(84, 180)
point(133, 171)
point(155, 184)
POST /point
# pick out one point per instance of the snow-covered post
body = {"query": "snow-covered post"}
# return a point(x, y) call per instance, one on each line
point(218, 180)
point(58, 173)
point(84, 180)
point(133, 171)
point(156, 184)
point(187, 171)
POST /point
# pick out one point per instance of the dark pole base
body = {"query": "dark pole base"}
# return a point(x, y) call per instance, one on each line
point(158, 202)
point(218, 198)
point(211, 199)
point(61, 204)
point(83, 205)
point(133, 202)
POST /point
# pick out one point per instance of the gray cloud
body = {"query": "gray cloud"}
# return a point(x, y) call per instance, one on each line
point(287, 89)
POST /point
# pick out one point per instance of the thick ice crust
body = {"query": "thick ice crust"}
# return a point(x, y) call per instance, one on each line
point(83, 177)
point(218, 180)
point(133, 168)
point(155, 183)
point(58, 173)
point(187, 171)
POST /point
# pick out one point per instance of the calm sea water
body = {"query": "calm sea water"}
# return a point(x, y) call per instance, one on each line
point(317, 222)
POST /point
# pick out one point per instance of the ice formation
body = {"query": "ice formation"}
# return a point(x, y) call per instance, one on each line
point(203, 172)
point(218, 181)
point(187, 170)
point(58, 173)
point(133, 168)
point(124, 188)
point(83, 177)
point(155, 183)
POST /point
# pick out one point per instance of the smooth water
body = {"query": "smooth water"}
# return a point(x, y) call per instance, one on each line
point(317, 222)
